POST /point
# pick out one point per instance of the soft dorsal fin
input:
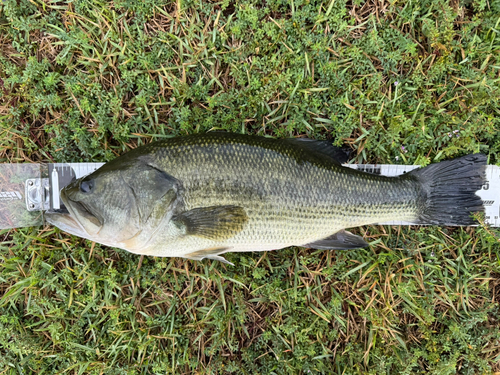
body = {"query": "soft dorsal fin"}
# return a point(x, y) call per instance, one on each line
point(215, 222)
point(341, 240)
point(322, 149)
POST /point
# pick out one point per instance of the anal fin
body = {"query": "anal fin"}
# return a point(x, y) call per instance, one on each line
point(341, 240)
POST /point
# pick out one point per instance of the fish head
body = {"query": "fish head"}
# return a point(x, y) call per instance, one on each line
point(101, 207)
point(119, 206)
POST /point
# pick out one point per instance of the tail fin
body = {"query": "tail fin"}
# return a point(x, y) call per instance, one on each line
point(450, 189)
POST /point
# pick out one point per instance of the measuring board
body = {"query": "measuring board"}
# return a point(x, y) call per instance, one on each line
point(27, 190)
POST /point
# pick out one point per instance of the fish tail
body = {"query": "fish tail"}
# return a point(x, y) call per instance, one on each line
point(449, 190)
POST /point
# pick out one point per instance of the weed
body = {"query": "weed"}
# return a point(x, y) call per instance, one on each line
point(398, 82)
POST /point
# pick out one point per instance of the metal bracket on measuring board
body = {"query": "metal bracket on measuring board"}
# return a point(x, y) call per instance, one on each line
point(44, 193)
point(37, 194)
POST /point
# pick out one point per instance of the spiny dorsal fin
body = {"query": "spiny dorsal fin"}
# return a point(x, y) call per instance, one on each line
point(215, 223)
point(341, 240)
point(322, 149)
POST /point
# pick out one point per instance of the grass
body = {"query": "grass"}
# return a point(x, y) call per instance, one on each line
point(397, 82)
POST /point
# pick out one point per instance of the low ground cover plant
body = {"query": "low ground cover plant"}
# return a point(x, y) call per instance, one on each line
point(395, 82)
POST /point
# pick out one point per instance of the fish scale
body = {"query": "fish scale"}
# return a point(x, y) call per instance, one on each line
point(202, 195)
point(290, 198)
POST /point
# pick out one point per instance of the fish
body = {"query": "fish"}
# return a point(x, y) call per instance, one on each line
point(203, 195)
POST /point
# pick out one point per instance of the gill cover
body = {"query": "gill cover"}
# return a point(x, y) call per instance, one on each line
point(153, 191)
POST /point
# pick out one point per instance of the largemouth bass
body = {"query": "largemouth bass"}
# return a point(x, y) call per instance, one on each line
point(203, 195)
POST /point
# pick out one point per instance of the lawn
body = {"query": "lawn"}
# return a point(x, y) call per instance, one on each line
point(399, 82)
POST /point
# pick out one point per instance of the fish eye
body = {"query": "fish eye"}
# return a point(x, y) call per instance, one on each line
point(86, 186)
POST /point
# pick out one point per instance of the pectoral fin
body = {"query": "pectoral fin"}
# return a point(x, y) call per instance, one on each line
point(341, 240)
point(215, 223)
point(212, 253)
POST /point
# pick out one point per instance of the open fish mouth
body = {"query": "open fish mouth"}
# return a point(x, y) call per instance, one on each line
point(69, 216)
point(63, 219)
